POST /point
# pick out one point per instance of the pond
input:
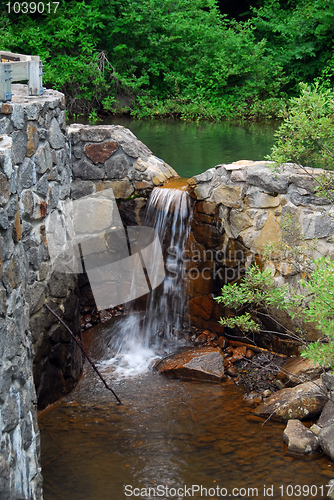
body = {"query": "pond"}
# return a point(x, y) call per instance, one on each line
point(192, 148)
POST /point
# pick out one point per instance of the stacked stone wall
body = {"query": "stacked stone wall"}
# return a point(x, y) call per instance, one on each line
point(34, 176)
point(239, 210)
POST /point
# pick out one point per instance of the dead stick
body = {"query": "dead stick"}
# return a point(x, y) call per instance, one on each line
point(83, 350)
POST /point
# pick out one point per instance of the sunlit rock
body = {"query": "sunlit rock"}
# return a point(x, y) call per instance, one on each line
point(205, 364)
point(304, 401)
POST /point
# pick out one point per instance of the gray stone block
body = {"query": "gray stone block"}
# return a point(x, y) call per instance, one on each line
point(5, 126)
point(205, 176)
point(130, 149)
point(317, 225)
point(34, 206)
point(27, 173)
point(260, 219)
point(42, 186)
point(53, 195)
point(4, 222)
point(82, 169)
point(18, 116)
point(6, 163)
point(257, 198)
point(59, 157)
point(42, 133)
point(81, 188)
point(33, 110)
point(77, 151)
point(264, 177)
point(12, 207)
point(94, 134)
point(19, 147)
point(117, 166)
point(37, 296)
point(8, 244)
point(43, 158)
point(203, 191)
point(4, 189)
point(56, 137)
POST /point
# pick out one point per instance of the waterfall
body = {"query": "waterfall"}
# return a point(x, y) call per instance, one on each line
point(140, 338)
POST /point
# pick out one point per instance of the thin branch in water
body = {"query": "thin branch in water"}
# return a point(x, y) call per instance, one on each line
point(83, 350)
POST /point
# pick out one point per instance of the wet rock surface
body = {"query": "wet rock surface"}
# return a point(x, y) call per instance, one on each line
point(297, 370)
point(304, 401)
point(300, 439)
point(205, 364)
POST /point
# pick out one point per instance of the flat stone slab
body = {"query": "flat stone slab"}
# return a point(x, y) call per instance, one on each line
point(300, 439)
point(205, 364)
point(297, 369)
point(300, 402)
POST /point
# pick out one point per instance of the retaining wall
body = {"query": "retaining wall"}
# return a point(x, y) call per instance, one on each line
point(239, 211)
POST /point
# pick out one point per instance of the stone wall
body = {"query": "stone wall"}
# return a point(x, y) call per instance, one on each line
point(41, 165)
point(34, 175)
point(238, 212)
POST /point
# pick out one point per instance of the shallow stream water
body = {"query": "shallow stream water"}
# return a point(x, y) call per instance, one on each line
point(168, 433)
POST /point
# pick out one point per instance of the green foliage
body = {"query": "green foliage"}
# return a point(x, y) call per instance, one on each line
point(320, 310)
point(93, 116)
point(315, 305)
point(306, 136)
point(299, 36)
point(179, 58)
point(245, 323)
point(257, 289)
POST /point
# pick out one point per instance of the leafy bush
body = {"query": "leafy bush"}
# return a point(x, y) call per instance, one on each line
point(316, 305)
point(306, 136)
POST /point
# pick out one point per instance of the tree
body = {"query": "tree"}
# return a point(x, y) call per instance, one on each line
point(179, 57)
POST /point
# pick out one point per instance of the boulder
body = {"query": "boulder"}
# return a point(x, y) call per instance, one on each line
point(296, 370)
point(300, 439)
point(205, 364)
point(301, 402)
point(327, 415)
point(326, 439)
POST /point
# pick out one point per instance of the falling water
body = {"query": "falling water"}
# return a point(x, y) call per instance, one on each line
point(138, 338)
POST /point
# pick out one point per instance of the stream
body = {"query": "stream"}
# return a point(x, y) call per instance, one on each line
point(170, 438)
point(168, 433)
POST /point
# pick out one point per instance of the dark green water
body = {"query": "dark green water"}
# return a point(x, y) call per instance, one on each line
point(192, 148)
